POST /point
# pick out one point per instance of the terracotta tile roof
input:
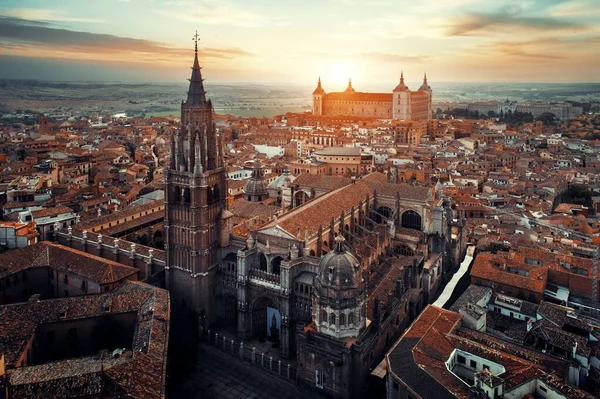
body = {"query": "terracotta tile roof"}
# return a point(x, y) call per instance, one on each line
point(140, 371)
point(321, 181)
point(358, 96)
point(494, 268)
point(418, 359)
point(247, 210)
point(58, 257)
point(320, 211)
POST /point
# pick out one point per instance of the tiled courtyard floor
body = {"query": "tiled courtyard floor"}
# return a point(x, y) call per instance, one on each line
point(221, 376)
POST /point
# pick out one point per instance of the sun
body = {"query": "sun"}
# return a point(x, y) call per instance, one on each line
point(338, 73)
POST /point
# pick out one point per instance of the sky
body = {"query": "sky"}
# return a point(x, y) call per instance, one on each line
point(276, 41)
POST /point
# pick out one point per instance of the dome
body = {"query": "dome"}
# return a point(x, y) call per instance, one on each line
point(255, 189)
point(339, 268)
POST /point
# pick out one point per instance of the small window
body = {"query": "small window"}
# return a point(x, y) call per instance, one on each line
point(66, 293)
point(474, 364)
point(318, 379)
point(461, 359)
point(543, 389)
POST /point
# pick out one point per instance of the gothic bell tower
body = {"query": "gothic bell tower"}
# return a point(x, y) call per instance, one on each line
point(195, 201)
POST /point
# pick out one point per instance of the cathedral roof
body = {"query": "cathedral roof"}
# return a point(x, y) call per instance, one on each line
point(196, 93)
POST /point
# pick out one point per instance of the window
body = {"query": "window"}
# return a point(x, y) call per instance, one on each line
point(83, 285)
point(351, 319)
point(66, 293)
point(543, 389)
point(485, 366)
point(318, 379)
point(474, 364)
point(66, 279)
point(342, 320)
point(332, 319)
point(461, 359)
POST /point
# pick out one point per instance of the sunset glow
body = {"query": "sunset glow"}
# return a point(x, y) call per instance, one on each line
point(269, 41)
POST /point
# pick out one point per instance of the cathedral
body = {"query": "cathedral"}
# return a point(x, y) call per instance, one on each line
point(331, 280)
point(401, 103)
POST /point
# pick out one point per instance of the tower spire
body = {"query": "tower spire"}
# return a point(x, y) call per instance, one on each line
point(196, 93)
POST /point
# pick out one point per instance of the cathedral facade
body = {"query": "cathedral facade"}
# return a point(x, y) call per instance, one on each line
point(401, 103)
point(331, 280)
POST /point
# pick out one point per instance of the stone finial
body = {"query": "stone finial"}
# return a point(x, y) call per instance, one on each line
point(294, 252)
point(151, 252)
point(99, 238)
point(250, 241)
point(99, 212)
point(116, 242)
point(133, 247)
point(84, 234)
point(77, 219)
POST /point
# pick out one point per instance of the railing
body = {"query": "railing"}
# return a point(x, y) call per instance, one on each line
point(263, 275)
point(240, 350)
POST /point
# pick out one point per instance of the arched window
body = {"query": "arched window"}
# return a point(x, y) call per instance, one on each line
point(342, 320)
point(176, 194)
point(411, 220)
point(186, 195)
point(324, 316)
point(216, 194)
point(263, 262)
point(276, 263)
point(350, 319)
point(332, 319)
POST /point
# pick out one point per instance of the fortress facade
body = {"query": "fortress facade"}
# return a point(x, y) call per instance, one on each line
point(401, 103)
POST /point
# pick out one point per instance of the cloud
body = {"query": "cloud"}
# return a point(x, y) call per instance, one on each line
point(575, 8)
point(482, 24)
point(222, 14)
point(37, 14)
point(395, 58)
point(36, 38)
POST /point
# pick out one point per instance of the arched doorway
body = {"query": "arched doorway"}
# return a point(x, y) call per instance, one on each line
point(411, 220)
point(262, 259)
point(276, 265)
point(266, 320)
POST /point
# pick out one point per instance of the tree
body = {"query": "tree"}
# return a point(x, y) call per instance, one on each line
point(547, 118)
